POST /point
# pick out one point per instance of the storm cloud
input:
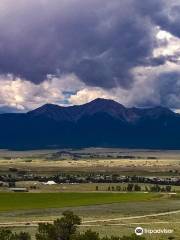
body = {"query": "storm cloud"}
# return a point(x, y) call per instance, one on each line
point(100, 42)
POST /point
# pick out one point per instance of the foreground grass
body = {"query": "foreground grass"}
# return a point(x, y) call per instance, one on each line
point(25, 201)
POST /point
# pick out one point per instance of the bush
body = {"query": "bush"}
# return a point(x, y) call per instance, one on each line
point(6, 234)
point(88, 235)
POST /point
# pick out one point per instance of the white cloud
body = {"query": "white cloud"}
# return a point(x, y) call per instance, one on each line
point(168, 45)
point(88, 94)
point(25, 95)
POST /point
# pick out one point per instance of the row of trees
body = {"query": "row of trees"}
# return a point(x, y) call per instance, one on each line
point(65, 228)
point(86, 178)
point(135, 187)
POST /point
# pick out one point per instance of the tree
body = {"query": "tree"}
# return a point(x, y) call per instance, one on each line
point(155, 188)
point(130, 187)
point(61, 229)
point(137, 188)
point(46, 232)
point(168, 188)
point(12, 184)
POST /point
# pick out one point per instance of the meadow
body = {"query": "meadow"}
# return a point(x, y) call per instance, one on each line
point(24, 201)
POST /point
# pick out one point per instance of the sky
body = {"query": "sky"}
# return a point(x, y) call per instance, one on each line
point(70, 52)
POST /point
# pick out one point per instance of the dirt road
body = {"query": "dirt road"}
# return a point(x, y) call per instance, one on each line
point(88, 223)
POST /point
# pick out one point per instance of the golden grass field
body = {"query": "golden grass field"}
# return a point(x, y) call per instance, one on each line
point(165, 161)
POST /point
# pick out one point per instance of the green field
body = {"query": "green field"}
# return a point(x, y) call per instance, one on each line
point(24, 201)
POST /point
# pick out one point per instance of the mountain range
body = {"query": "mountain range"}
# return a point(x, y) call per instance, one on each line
point(99, 123)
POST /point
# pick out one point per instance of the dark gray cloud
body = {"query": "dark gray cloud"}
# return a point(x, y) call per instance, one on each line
point(168, 88)
point(163, 89)
point(163, 13)
point(99, 40)
point(169, 17)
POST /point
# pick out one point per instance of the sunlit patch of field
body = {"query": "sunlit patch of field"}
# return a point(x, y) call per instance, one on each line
point(133, 161)
point(126, 165)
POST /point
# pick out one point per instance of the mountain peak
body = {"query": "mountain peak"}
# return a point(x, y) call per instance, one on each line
point(48, 107)
point(105, 104)
point(74, 113)
point(51, 111)
point(98, 106)
point(104, 101)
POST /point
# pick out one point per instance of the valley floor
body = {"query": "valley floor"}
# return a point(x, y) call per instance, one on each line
point(101, 207)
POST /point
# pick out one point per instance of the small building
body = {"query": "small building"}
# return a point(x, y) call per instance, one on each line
point(50, 183)
point(19, 189)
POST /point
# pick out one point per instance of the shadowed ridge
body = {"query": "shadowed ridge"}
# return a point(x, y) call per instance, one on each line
point(99, 106)
point(74, 113)
point(52, 111)
point(99, 123)
point(153, 112)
